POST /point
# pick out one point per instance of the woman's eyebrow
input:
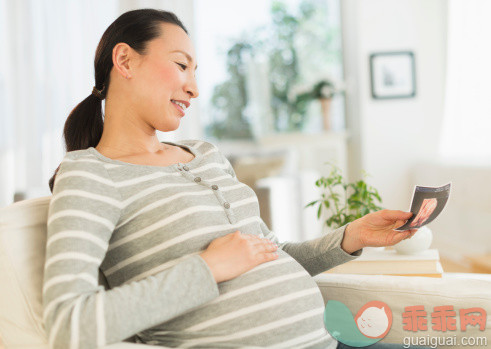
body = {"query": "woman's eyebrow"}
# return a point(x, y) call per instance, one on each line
point(190, 59)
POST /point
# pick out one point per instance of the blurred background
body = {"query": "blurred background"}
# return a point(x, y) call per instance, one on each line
point(399, 89)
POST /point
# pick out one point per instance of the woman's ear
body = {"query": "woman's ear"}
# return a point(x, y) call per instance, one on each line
point(123, 57)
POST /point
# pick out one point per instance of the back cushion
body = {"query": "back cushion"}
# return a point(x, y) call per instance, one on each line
point(22, 253)
point(23, 232)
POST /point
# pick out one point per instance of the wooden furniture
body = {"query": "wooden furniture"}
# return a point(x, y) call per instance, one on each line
point(480, 263)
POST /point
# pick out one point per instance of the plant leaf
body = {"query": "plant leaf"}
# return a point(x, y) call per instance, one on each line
point(311, 203)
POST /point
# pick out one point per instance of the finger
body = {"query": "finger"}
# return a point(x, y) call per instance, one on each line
point(257, 240)
point(411, 233)
point(261, 240)
point(396, 215)
point(399, 224)
point(269, 256)
point(251, 237)
point(402, 236)
point(266, 246)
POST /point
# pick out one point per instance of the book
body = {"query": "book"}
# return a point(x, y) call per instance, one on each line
point(389, 262)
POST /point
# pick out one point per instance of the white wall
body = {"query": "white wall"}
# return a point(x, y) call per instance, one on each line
point(462, 229)
point(390, 136)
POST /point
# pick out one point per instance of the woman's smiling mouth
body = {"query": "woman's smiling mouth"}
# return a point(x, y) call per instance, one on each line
point(181, 106)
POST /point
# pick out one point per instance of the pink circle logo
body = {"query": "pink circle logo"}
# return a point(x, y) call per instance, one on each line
point(374, 319)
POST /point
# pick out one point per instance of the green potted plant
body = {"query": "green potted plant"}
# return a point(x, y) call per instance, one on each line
point(343, 201)
point(323, 91)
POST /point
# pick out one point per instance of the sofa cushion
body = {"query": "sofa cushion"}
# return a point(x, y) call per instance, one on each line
point(399, 292)
point(22, 253)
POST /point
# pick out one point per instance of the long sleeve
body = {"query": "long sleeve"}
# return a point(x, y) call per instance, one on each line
point(84, 210)
point(316, 255)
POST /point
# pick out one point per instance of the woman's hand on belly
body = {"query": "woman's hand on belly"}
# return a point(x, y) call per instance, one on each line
point(234, 254)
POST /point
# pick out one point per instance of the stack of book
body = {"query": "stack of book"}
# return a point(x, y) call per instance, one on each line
point(389, 262)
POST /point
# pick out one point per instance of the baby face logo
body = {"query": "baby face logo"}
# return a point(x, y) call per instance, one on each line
point(371, 323)
point(374, 319)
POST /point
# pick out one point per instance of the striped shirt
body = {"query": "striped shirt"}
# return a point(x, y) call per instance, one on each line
point(143, 227)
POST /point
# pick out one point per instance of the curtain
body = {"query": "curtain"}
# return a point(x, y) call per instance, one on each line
point(467, 120)
point(46, 69)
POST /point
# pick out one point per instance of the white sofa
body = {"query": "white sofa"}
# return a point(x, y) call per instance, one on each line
point(22, 253)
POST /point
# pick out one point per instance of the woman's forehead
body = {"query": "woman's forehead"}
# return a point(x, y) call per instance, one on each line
point(173, 38)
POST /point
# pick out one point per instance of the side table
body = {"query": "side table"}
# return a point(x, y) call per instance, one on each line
point(480, 263)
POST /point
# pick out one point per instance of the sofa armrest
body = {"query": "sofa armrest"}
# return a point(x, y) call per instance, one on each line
point(399, 292)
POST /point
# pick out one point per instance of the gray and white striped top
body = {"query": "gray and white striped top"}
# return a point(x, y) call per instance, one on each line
point(144, 228)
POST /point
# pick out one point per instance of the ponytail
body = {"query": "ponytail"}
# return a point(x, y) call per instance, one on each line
point(83, 127)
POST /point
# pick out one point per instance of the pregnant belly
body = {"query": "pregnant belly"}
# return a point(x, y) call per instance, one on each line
point(273, 303)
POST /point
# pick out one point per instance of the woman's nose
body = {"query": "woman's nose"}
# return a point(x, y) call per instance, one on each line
point(192, 88)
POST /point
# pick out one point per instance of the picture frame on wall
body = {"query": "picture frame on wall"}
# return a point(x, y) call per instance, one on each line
point(393, 75)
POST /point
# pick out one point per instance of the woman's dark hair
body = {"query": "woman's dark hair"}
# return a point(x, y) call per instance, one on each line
point(83, 127)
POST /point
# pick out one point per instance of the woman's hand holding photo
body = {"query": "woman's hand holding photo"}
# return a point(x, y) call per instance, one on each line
point(376, 229)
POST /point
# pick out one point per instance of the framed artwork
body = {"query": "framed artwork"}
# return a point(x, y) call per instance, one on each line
point(393, 75)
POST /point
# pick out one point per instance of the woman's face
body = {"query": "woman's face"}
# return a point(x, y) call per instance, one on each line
point(165, 74)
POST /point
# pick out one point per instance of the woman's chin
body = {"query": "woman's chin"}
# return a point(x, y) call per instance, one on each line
point(169, 125)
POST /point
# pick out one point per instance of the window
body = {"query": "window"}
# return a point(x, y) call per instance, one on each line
point(467, 120)
point(45, 71)
point(263, 59)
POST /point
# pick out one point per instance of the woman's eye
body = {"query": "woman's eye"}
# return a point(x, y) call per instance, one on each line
point(182, 66)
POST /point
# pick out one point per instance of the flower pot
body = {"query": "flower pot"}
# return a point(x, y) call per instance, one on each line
point(326, 113)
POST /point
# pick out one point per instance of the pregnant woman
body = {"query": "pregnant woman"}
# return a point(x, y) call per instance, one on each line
point(179, 239)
